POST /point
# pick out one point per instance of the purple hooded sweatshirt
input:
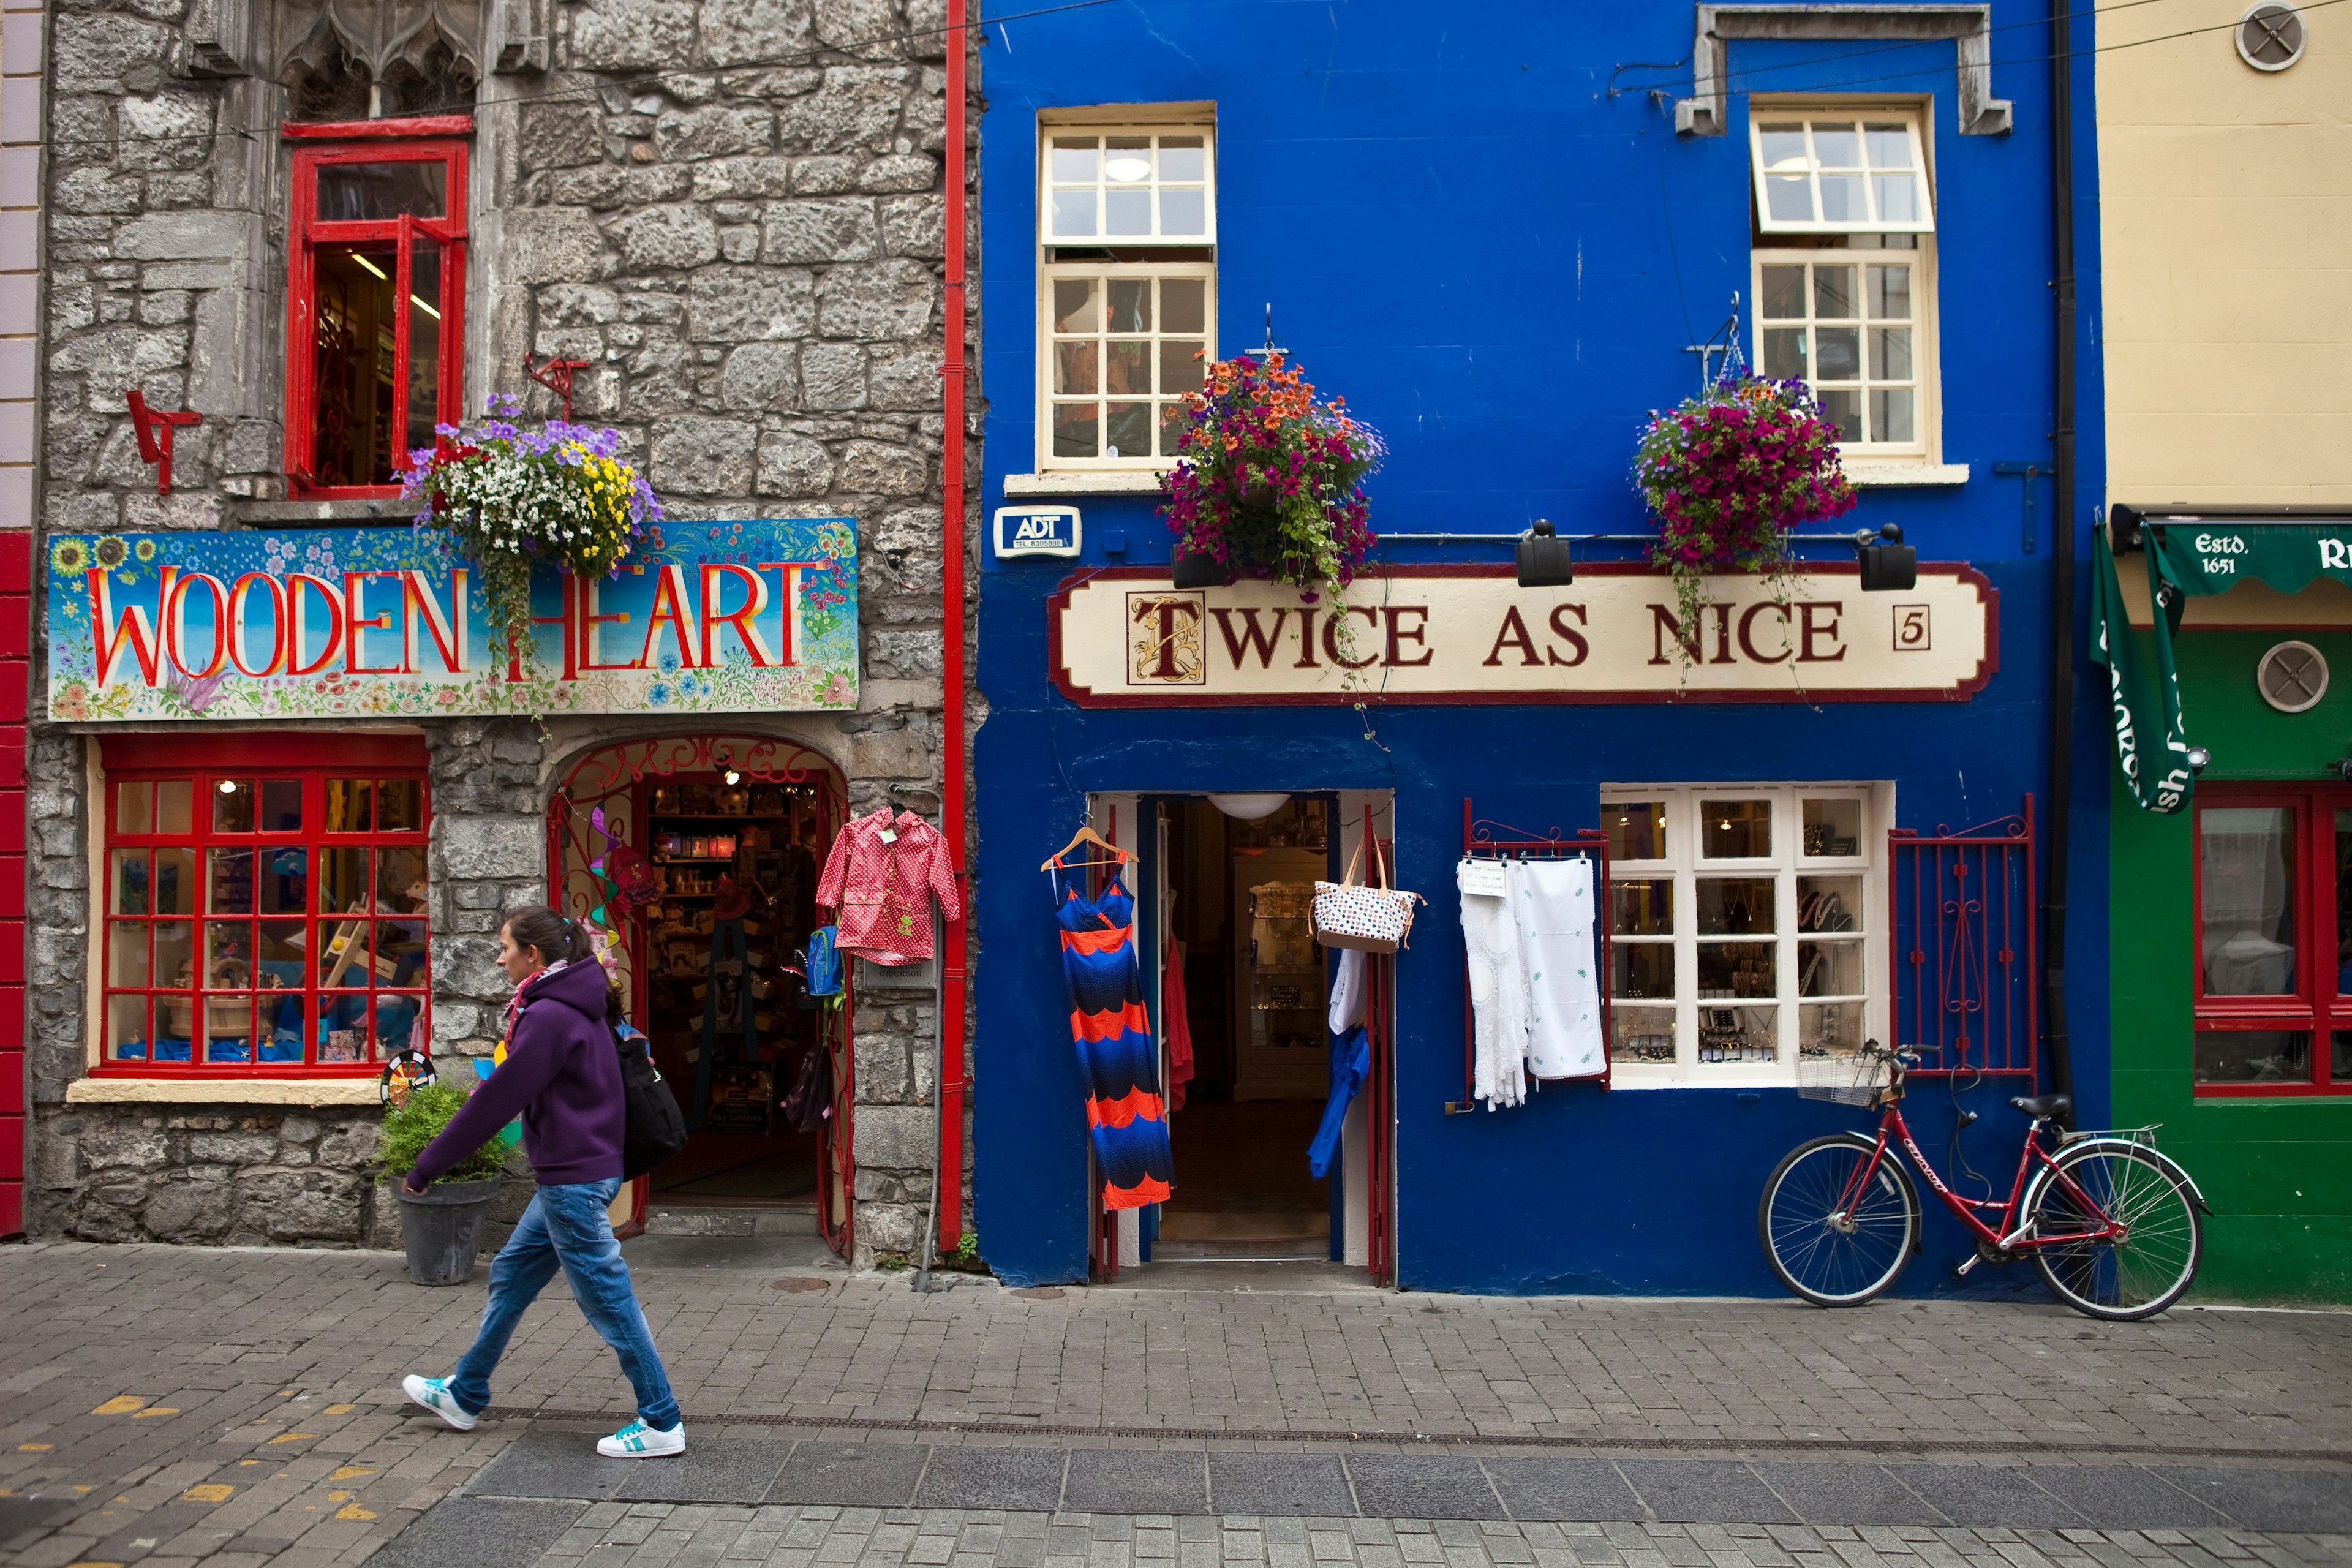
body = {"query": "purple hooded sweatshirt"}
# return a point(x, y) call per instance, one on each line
point(561, 1075)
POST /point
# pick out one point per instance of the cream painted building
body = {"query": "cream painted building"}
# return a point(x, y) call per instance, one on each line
point(2226, 232)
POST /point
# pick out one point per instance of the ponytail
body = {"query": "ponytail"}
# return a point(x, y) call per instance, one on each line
point(556, 937)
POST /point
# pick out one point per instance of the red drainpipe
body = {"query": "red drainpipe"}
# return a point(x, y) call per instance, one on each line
point(951, 813)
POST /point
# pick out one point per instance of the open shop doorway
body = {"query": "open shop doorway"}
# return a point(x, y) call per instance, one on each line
point(1239, 995)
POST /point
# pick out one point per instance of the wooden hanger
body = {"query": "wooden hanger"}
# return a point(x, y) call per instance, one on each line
point(1086, 835)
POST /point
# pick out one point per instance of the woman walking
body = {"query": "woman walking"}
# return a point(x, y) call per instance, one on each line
point(562, 1074)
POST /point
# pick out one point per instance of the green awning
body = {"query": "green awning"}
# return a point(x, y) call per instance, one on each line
point(2192, 552)
point(2151, 749)
point(2204, 554)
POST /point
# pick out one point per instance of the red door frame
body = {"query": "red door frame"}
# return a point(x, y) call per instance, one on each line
point(624, 768)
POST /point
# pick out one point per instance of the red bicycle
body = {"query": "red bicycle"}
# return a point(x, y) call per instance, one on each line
point(2113, 1224)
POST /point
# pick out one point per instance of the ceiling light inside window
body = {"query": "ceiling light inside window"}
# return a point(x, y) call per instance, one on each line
point(228, 786)
point(1127, 171)
point(371, 265)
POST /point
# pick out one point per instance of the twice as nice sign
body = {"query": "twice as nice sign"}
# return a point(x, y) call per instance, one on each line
point(1125, 639)
point(388, 622)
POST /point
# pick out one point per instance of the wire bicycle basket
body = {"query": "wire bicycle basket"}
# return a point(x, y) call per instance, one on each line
point(1843, 1077)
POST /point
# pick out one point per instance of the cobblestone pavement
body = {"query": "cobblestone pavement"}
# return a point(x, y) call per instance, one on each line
point(173, 1405)
point(658, 1536)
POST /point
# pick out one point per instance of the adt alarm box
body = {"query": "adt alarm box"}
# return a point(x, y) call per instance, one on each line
point(1036, 531)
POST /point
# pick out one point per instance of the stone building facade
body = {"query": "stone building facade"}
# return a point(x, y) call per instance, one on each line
point(733, 211)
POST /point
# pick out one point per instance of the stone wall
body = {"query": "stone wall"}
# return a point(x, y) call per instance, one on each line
point(226, 1175)
point(732, 209)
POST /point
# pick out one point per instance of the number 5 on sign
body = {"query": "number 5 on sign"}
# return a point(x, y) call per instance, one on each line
point(1910, 628)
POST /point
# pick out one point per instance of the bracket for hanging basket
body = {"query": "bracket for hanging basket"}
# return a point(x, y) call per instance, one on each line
point(153, 428)
point(556, 376)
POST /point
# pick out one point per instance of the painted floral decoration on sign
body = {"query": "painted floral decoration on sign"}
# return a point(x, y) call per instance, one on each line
point(1270, 480)
point(1728, 474)
point(509, 498)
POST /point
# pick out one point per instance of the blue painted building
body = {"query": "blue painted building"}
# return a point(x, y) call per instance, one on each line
point(1501, 238)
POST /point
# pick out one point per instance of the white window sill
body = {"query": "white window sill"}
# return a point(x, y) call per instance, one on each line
point(1870, 473)
point(1711, 1075)
point(1108, 482)
point(223, 1091)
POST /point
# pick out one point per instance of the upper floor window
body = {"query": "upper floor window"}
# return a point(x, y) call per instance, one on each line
point(1745, 928)
point(263, 916)
point(2274, 937)
point(1127, 294)
point(1843, 269)
point(375, 306)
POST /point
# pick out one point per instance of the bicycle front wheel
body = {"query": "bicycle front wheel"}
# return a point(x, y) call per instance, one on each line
point(2136, 1273)
point(1830, 1243)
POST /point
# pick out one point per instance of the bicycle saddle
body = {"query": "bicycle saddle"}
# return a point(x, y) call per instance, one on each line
point(2042, 1105)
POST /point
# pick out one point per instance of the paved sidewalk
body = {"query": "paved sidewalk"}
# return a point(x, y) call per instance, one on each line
point(660, 1536)
point(174, 1405)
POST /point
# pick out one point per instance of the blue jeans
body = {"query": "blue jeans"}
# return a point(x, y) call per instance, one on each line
point(568, 1226)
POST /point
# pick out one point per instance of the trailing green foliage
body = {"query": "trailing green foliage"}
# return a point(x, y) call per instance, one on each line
point(408, 1128)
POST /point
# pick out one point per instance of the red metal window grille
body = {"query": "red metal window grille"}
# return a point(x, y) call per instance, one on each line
point(263, 908)
point(2270, 911)
point(375, 303)
point(1961, 908)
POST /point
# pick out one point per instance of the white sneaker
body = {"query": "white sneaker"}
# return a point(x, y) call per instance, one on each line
point(639, 1441)
point(432, 1393)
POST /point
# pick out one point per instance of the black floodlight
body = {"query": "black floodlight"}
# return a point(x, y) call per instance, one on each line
point(1199, 569)
point(1543, 558)
point(1888, 563)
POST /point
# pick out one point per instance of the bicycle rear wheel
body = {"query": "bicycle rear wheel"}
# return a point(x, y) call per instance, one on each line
point(1831, 1255)
point(2136, 1276)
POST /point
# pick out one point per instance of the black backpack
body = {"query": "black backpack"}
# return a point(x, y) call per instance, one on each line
point(811, 1099)
point(654, 1127)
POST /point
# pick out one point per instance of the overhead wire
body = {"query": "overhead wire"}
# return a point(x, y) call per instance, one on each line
point(1616, 92)
point(2305, 5)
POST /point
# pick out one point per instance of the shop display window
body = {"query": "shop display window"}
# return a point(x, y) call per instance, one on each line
point(2274, 941)
point(263, 911)
point(1127, 294)
point(1743, 931)
point(1843, 246)
point(375, 319)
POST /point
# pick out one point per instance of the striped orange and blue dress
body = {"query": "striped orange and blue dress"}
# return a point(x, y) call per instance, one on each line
point(1125, 1116)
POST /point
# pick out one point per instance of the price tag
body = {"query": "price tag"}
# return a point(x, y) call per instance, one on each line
point(1483, 878)
point(887, 835)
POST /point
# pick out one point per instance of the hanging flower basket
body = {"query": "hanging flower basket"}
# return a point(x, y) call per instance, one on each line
point(1727, 475)
point(509, 499)
point(1269, 483)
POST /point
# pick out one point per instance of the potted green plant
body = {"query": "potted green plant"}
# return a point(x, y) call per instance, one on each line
point(442, 1225)
point(1727, 475)
point(1269, 481)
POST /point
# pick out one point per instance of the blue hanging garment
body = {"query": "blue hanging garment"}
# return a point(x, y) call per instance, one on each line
point(1351, 1060)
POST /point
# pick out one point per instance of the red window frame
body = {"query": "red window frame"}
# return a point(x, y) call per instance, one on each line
point(2315, 1007)
point(363, 994)
point(420, 141)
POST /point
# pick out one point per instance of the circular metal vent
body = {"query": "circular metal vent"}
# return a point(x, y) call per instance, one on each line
point(2270, 36)
point(2292, 675)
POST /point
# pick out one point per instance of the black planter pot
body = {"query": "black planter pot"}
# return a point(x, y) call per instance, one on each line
point(442, 1227)
point(1195, 570)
